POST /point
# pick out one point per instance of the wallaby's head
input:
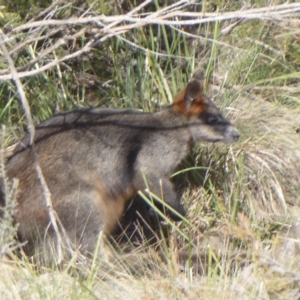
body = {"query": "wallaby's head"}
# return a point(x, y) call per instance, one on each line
point(206, 122)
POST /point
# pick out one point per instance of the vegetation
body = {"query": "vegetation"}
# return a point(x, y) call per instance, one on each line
point(242, 235)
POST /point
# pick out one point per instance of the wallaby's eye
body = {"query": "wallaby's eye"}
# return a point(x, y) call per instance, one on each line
point(212, 120)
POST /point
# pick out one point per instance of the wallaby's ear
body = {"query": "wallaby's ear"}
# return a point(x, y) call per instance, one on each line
point(195, 86)
point(191, 100)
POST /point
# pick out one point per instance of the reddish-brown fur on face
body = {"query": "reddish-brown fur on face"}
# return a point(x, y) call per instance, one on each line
point(189, 109)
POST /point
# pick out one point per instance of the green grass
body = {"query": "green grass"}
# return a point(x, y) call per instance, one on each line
point(241, 199)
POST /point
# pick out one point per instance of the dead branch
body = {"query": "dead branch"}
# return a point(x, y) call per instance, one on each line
point(31, 130)
point(48, 66)
point(31, 39)
point(99, 28)
point(264, 13)
point(16, 79)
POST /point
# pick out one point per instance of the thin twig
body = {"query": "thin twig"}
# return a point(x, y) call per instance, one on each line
point(14, 76)
point(31, 39)
point(31, 130)
point(48, 66)
point(104, 27)
point(49, 9)
point(265, 13)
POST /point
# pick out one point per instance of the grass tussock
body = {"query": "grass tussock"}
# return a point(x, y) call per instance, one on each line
point(272, 158)
point(241, 237)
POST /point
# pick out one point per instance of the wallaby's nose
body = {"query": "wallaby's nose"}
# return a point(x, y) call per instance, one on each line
point(236, 135)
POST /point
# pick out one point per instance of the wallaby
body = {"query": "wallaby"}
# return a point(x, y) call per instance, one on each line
point(95, 160)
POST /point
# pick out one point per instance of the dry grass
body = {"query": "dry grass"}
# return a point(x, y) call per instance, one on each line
point(272, 156)
point(243, 230)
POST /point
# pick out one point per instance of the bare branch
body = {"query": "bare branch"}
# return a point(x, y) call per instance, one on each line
point(264, 13)
point(14, 76)
point(30, 40)
point(48, 66)
point(103, 27)
point(31, 130)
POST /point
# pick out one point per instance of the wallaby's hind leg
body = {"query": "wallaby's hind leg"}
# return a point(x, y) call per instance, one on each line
point(83, 219)
point(95, 213)
point(84, 214)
